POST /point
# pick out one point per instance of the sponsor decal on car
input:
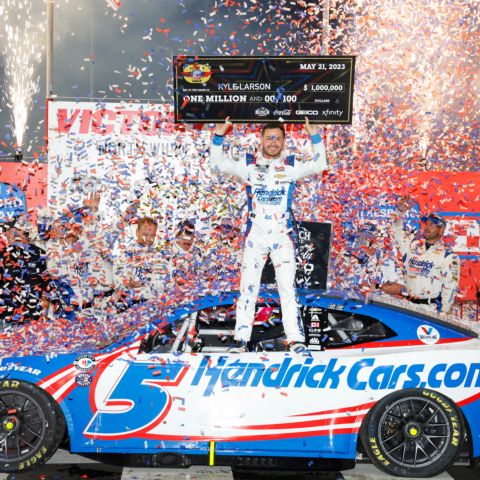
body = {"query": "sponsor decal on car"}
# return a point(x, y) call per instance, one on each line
point(83, 380)
point(428, 334)
point(14, 367)
point(85, 363)
point(362, 375)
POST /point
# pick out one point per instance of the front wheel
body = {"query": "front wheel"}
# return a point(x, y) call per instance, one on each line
point(413, 433)
point(31, 426)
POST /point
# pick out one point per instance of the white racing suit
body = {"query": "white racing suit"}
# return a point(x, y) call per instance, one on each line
point(83, 265)
point(430, 274)
point(147, 265)
point(269, 185)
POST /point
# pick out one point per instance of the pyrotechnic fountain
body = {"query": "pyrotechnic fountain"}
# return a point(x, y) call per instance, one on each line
point(22, 51)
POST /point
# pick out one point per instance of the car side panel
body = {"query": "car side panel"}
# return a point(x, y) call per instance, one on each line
point(263, 404)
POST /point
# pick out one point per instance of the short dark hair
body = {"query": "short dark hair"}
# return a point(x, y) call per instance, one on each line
point(272, 126)
point(435, 218)
point(142, 221)
point(185, 225)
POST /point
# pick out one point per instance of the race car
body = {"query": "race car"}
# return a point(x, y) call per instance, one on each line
point(398, 385)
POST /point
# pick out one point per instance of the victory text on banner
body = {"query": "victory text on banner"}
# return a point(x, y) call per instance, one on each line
point(115, 147)
point(264, 89)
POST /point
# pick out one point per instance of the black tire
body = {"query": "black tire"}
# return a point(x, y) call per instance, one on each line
point(31, 426)
point(413, 433)
point(61, 433)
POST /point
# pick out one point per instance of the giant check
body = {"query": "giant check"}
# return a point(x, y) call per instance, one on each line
point(263, 89)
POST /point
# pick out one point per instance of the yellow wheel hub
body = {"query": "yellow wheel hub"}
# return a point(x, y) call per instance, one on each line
point(9, 426)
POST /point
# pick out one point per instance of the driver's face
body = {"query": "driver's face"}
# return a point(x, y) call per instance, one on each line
point(272, 142)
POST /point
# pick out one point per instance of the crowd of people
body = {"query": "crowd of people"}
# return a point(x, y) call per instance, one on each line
point(81, 263)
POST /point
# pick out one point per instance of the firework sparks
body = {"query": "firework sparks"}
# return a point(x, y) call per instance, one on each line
point(22, 52)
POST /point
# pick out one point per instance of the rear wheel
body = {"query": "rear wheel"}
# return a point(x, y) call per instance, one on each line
point(31, 426)
point(413, 433)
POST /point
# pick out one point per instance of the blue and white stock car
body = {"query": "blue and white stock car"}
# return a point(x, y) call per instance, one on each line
point(396, 384)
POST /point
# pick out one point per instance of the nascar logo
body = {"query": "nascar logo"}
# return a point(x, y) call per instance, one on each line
point(85, 363)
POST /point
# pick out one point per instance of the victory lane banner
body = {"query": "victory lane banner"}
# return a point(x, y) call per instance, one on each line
point(263, 89)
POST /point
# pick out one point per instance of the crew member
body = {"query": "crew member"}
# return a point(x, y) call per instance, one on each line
point(269, 181)
point(186, 266)
point(139, 268)
point(432, 270)
point(78, 261)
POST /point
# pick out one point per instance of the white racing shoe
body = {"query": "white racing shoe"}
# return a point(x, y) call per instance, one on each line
point(239, 346)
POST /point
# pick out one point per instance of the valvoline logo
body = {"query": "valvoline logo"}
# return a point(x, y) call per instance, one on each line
point(428, 334)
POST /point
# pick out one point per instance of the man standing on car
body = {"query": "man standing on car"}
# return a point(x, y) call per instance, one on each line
point(269, 179)
point(432, 270)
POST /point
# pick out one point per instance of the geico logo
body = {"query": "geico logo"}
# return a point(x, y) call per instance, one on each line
point(306, 112)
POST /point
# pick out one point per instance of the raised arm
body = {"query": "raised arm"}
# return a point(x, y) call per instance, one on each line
point(319, 162)
point(220, 162)
point(402, 238)
point(450, 277)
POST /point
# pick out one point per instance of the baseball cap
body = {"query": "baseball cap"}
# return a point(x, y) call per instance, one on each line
point(435, 218)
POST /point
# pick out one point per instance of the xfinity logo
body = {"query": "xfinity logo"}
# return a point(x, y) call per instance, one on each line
point(262, 112)
point(306, 112)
